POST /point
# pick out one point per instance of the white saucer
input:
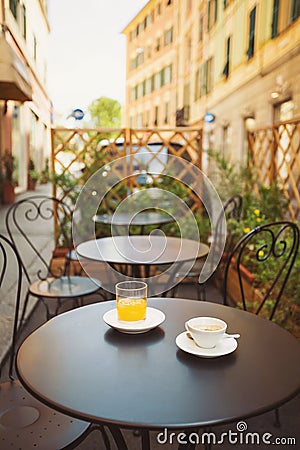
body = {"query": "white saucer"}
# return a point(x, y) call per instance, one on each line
point(224, 347)
point(154, 317)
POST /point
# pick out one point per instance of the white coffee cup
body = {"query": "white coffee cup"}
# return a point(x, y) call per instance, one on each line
point(206, 331)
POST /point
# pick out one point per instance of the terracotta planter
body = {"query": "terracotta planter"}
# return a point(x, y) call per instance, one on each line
point(31, 184)
point(8, 194)
point(252, 295)
point(60, 252)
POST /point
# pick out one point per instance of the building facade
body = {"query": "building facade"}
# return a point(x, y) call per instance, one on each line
point(226, 65)
point(25, 107)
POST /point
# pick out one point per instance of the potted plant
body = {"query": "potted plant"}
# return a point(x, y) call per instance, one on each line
point(45, 175)
point(33, 176)
point(7, 173)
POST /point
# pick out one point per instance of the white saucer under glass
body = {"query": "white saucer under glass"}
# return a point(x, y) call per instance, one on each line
point(154, 317)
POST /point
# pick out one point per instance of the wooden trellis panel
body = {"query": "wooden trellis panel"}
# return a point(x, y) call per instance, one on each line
point(275, 155)
point(77, 153)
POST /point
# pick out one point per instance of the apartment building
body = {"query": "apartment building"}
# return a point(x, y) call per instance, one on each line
point(226, 65)
point(25, 107)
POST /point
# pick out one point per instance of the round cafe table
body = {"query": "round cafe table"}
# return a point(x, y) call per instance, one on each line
point(141, 219)
point(136, 252)
point(77, 364)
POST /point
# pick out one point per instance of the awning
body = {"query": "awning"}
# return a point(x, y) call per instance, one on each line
point(14, 76)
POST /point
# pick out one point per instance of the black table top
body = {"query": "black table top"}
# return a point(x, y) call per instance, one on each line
point(79, 365)
point(140, 219)
point(145, 250)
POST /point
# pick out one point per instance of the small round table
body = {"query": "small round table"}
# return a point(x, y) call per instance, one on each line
point(78, 365)
point(142, 219)
point(138, 252)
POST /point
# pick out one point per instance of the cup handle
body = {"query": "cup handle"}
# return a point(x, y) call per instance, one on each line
point(187, 327)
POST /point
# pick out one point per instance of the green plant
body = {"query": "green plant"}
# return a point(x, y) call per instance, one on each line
point(32, 172)
point(45, 174)
point(8, 166)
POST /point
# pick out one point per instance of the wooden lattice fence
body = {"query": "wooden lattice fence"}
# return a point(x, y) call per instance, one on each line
point(275, 157)
point(78, 153)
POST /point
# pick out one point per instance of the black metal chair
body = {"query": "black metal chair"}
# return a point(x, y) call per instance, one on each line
point(26, 423)
point(24, 219)
point(232, 209)
point(274, 245)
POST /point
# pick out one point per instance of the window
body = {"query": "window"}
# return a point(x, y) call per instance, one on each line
point(162, 77)
point(24, 28)
point(201, 28)
point(275, 18)
point(168, 74)
point(206, 77)
point(159, 9)
point(169, 36)
point(166, 119)
point(149, 19)
point(148, 86)
point(157, 47)
point(157, 80)
point(212, 13)
point(152, 83)
point(285, 12)
point(169, 2)
point(252, 16)
point(227, 60)
point(147, 118)
point(34, 48)
point(295, 10)
point(13, 6)
point(156, 116)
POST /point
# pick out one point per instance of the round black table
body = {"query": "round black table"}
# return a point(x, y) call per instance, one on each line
point(80, 366)
point(142, 251)
point(142, 219)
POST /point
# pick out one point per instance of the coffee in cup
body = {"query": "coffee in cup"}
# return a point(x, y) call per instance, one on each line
point(206, 331)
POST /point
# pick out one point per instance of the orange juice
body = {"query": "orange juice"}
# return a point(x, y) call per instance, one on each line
point(131, 309)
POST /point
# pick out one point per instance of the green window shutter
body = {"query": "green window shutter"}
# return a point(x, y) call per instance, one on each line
point(250, 51)
point(276, 4)
point(295, 10)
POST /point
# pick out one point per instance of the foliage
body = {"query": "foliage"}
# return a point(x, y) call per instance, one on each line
point(45, 175)
point(261, 205)
point(106, 113)
point(32, 172)
point(8, 166)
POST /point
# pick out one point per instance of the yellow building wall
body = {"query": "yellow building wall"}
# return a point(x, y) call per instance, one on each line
point(250, 86)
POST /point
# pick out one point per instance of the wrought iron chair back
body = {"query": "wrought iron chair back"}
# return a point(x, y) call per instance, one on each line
point(50, 428)
point(271, 247)
point(26, 217)
point(10, 264)
point(24, 221)
point(232, 209)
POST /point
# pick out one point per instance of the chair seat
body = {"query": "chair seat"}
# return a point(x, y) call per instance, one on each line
point(192, 272)
point(65, 287)
point(26, 423)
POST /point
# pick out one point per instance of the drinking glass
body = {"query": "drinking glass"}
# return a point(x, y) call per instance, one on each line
point(131, 300)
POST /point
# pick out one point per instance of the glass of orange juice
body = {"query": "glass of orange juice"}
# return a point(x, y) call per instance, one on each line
point(131, 300)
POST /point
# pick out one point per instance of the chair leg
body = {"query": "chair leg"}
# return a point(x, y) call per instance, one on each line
point(24, 308)
point(277, 422)
point(118, 437)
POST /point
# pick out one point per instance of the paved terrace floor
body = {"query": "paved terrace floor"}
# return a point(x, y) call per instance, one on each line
point(289, 413)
